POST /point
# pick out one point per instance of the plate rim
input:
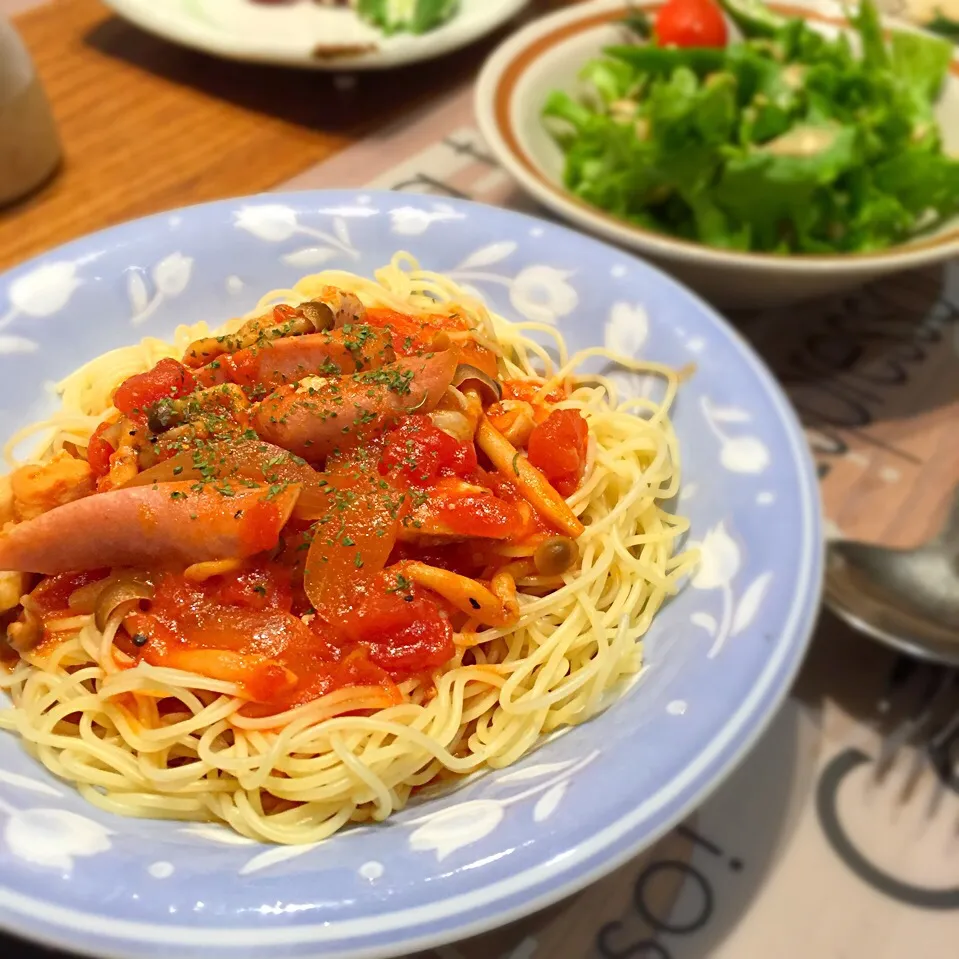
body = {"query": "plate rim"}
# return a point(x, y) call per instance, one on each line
point(40, 921)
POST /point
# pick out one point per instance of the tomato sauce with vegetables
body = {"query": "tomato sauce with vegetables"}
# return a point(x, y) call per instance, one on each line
point(297, 536)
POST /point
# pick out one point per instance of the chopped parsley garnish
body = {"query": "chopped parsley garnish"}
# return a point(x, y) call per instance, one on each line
point(403, 585)
point(396, 381)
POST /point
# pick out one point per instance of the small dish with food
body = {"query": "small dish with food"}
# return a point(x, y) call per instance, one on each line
point(321, 34)
point(764, 154)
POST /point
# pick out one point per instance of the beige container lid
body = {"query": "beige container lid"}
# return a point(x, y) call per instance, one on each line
point(29, 145)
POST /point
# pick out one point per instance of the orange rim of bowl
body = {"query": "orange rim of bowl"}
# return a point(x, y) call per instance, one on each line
point(513, 72)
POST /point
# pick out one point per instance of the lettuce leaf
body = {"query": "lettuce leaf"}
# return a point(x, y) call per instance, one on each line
point(921, 62)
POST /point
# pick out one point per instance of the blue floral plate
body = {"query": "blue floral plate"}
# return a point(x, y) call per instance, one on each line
point(720, 657)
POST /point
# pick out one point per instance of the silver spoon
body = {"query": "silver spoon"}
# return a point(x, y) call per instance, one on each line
point(908, 599)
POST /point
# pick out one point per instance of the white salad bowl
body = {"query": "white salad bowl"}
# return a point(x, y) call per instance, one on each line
point(548, 55)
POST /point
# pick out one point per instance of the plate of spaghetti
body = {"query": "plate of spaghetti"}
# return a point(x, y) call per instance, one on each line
point(378, 568)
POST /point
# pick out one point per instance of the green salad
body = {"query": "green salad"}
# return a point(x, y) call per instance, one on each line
point(784, 142)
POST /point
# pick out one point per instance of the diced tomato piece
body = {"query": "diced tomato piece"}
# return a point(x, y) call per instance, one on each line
point(405, 632)
point(421, 452)
point(241, 367)
point(284, 312)
point(468, 511)
point(99, 451)
point(167, 380)
point(483, 358)
point(425, 643)
point(557, 447)
point(213, 374)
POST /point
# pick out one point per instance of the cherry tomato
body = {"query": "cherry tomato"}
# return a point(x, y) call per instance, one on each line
point(690, 23)
point(99, 451)
point(557, 447)
point(422, 453)
point(167, 380)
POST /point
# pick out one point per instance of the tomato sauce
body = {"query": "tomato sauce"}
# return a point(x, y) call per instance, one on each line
point(243, 625)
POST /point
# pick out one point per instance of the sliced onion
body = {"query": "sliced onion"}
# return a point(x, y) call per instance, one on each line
point(256, 460)
point(84, 599)
point(178, 469)
point(488, 388)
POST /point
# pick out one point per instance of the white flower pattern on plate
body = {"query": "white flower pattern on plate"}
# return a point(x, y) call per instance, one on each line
point(170, 276)
point(25, 782)
point(46, 290)
point(719, 564)
point(627, 330)
point(465, 823)
point(39, 293)
point(415, 221)
point(457, 826)
point(738, 454)
point(542, 294)
point(53, 837)
point(539, 292)
point(276, 223)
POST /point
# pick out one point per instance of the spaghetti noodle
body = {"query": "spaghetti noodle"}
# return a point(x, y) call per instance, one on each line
point(467, 563)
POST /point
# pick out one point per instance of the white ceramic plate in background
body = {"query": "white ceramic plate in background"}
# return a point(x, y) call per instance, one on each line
point(303, 34)
point(548, 55)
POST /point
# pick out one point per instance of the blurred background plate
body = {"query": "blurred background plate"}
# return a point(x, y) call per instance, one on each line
point(300, 33)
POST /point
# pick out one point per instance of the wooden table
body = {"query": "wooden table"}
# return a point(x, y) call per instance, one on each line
point(147, 125)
